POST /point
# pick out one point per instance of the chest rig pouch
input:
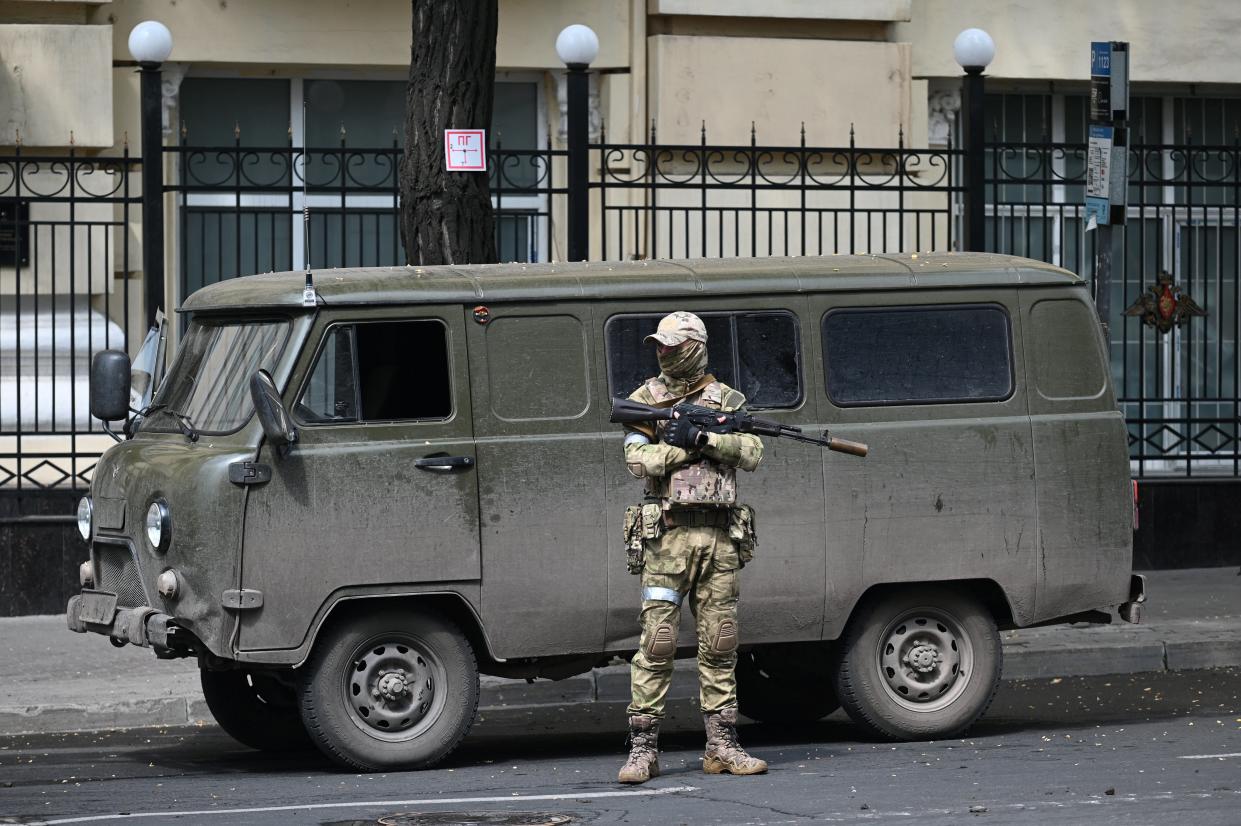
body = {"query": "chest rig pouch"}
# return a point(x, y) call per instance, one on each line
point(703, 483)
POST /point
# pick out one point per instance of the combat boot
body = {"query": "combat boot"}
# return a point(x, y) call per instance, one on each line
point(724, 752)
point(643, 762)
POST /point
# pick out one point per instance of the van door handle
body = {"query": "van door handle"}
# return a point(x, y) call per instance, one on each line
point(443, 464)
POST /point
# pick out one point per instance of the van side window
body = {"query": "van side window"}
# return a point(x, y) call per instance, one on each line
point(757, 353)
point(1067, 365)
point(917, 355)
point(381, 371)
point(331, 393)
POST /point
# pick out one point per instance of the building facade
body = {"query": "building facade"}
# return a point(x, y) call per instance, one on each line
point(292, 75)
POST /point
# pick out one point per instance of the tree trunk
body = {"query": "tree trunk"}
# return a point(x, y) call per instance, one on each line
point(446, 216)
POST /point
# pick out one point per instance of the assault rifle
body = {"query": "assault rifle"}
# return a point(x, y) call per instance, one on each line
point(625, 411)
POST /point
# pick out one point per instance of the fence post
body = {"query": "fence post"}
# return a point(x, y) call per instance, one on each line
point(975, 168)
point(577, 46)
point(974, 50)
point(152, 189)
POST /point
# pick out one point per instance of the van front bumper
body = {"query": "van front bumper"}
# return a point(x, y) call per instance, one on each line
point(1131, 611)
point(96, 612)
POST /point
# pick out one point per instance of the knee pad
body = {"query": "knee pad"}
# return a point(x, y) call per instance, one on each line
point(661, 641)
point(724, 640)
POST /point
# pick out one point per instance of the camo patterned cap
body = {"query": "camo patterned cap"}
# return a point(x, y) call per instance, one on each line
point(678, 327)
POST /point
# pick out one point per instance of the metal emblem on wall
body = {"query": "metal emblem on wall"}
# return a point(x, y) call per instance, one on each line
point(1164, 305)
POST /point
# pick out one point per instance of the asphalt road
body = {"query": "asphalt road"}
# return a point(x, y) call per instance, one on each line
point(1136, 749)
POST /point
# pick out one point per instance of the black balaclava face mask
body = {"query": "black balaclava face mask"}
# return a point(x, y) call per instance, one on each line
point(683, 366)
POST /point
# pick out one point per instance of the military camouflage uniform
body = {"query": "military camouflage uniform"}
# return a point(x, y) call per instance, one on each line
point(695, 560)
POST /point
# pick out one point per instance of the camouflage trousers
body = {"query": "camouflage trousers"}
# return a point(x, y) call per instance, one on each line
point(697, 565)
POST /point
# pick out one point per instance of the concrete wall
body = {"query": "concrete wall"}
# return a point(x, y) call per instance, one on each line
point(778, 83)
point(1191, 42)
point(54, 80)
point(281, 35)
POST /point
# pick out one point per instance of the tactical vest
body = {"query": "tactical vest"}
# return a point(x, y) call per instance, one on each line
point(699, 484)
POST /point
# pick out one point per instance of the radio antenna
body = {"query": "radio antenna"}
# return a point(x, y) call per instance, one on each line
point(309, 299)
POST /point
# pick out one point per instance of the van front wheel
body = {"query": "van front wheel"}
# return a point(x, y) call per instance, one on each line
point(922, 663)
point(390, 690)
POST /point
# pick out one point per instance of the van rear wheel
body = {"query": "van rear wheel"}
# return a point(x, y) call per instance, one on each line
point(255, 708)
point(922, 663)
point(776, 688)
point(390, 690)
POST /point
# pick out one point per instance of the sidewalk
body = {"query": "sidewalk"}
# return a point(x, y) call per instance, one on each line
point(54, 680)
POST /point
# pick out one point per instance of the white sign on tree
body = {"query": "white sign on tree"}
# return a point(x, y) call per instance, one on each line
point(465, 150)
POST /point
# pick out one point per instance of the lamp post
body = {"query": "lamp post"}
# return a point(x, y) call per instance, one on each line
point(150, 43)
point(578, 46)
point(974, 50)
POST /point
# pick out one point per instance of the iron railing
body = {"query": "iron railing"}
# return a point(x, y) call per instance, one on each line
point(240, 208)
point(67, 227)
point(680, 201)
point(1180, 390)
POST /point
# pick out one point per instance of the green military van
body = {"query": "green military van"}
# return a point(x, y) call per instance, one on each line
point(347, 509)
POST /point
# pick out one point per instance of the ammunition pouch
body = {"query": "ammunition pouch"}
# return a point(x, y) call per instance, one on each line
point(700, 484)
point(644, 524)
point(704, 518)
point(742, 532)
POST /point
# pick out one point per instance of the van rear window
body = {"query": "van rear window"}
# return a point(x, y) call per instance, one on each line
point(756, 353)
point(917, 355)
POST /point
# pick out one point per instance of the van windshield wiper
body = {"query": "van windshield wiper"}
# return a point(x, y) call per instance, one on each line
point(184, 424)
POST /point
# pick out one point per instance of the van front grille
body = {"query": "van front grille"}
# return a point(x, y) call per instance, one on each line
point(117, 572)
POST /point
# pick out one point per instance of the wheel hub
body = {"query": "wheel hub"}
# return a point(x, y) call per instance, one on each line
point(923, 658)
point(392, 685)
point(391, 688)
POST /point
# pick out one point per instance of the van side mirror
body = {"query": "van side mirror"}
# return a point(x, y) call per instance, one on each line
point(109, 385)
point(277, 424)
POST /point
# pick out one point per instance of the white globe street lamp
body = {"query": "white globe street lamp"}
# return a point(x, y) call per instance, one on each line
point(150, 42)
point(577, 45)
point(974, 50)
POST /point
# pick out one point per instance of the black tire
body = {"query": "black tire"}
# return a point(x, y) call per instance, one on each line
point(256, 708)
point(418, 717)
point(921, 663)
point(774, 689)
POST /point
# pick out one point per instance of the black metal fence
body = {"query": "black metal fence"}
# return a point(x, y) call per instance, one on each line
point(1180, 390)
point(68, 227)
point(240, 209)
point(680, 201)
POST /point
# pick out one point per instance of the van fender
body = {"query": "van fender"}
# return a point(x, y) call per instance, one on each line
point(996, 598)
point(448, 602)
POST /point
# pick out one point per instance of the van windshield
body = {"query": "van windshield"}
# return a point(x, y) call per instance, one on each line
point(208, 386)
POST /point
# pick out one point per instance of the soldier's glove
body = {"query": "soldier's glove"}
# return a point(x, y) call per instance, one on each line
point(683, 433)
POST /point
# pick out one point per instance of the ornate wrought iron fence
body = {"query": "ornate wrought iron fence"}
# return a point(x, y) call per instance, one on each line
point(678, 201)
point(66, 250)
point(1180, 389)
point(240, 208)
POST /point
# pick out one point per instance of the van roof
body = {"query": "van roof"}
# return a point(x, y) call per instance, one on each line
point(628, 279)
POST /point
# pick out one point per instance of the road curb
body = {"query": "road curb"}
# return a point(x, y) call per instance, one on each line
point(1028, 655)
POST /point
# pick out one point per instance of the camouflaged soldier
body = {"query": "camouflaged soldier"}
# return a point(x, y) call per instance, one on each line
point(693, 537)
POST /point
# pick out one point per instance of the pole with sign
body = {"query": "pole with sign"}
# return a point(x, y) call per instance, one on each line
point(1107, 169)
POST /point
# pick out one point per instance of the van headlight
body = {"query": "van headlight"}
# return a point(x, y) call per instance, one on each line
point(85, 511)
point(168, 584)
point(159, 525)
